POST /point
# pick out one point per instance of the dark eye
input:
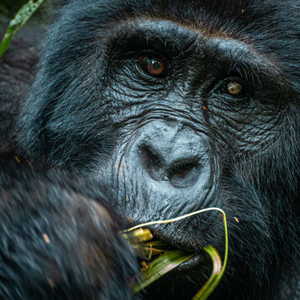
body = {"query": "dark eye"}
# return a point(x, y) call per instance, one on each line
point(234, 88)
point(152, 65)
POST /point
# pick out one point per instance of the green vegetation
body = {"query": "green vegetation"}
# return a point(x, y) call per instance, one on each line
point(22, 16)
point(168, 259)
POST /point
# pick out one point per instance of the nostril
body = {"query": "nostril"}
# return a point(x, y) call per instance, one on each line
point(181, 173)
point(182, 169)
point(153, 163)
point(184, 173)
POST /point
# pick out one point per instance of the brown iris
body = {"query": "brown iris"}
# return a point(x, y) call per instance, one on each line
point(152, 65)
point(234, 88)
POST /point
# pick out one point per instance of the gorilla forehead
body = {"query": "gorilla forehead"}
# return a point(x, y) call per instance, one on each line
point(231, 15)
point(256, 23)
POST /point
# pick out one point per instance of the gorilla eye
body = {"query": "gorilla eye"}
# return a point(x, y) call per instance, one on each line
point(152, 65)
point(234, 88)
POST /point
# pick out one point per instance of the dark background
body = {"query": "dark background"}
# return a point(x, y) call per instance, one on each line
point(8, 8)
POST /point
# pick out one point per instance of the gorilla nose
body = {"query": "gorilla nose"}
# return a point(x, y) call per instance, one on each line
point(180, 170)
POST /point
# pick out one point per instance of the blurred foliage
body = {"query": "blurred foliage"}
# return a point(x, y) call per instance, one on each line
point(36, 25)
point(22, 16)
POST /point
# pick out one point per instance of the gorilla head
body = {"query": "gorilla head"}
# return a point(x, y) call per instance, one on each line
point(178, 106)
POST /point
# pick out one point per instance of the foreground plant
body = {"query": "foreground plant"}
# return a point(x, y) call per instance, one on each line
point(168, 260)
point(22, 16)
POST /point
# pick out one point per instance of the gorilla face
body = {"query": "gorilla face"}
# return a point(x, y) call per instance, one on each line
point(176, 106)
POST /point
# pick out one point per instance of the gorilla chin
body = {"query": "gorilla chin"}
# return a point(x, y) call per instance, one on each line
point(149, 110)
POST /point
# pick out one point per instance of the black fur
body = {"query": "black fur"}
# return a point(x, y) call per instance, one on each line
point(92, 113)
point(57, 241)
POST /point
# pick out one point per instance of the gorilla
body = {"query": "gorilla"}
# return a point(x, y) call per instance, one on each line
point(147, 110)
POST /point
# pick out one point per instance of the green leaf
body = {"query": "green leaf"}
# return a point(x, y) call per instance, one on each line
point(159, 267)
point(22, 16)
point(158, 245)
point(215, 277)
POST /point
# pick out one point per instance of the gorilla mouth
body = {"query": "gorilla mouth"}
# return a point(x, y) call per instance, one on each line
point(166, 261)
point(173, 245)
point(160, 245)
point(159, 242)
point(165, 254)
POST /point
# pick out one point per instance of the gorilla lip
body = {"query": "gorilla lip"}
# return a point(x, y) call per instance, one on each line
point(193, 262)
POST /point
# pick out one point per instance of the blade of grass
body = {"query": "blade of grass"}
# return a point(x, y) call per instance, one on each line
point(149, 252)
point(218, 269)
point(215, 277)
point(158, 245)
point(22, 16)
point(159, 267)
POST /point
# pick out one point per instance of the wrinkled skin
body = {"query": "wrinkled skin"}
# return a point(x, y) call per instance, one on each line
point(164, 146)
